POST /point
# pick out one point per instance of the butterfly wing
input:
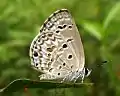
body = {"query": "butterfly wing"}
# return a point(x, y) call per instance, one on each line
point(57, 49)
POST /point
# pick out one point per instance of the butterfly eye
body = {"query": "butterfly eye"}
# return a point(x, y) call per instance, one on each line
point(86, 71)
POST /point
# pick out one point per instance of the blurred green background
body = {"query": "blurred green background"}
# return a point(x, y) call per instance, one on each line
point(99, 24)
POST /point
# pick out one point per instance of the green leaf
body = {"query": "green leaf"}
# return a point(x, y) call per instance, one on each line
point(112, 13)
point(27, 83)
point(93, 28)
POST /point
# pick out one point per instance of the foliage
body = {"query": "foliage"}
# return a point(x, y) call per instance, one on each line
point(45, 85)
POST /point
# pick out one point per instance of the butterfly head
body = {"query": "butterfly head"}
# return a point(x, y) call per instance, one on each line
point(87, 72)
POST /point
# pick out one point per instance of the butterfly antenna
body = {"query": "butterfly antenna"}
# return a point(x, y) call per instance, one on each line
point(98, 65)
point(103, 62)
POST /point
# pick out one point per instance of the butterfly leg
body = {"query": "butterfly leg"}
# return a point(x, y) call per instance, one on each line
point(67, 78)
point(79, 74)
point(76, 79)
point(82, 78)
point(64, 79)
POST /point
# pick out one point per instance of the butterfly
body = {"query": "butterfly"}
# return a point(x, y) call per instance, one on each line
point(57, 50)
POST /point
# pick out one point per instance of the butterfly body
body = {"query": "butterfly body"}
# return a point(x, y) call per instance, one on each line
point(57, 50)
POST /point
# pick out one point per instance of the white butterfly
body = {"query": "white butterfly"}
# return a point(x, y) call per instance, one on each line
point(57, 51)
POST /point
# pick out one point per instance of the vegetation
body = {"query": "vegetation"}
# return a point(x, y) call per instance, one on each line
point(99, 24)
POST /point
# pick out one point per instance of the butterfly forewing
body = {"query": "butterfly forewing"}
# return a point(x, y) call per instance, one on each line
point(57, 49)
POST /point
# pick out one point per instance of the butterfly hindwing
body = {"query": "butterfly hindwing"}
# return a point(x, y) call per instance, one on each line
point(57, 49)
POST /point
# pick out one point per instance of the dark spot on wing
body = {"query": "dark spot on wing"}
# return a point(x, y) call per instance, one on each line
point(36, 64)
point(70, 56)
point(35, 54)
point(49, 49)
point(64, 45)
point(43, 36)
point(50, 69)
point(38, 40)
point(42, 68)
point(50, 34)
point(63, 64)
point(49, 63)
point(64, 26)
point(60, 27)
point(32, 49)
point(57, 31)
point(51, 60)
point(35, 47)
point(58, 73)
point(49, 54)
point(70, 26)
point(72, 66)
point(68, 40)
point(34, 42)
point(60, 67)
